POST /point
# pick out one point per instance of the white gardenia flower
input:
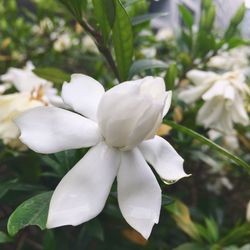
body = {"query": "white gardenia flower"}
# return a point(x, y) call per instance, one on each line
point(120, 126)
point(89, 44)
point(234, 59)
point(224, 97)
point(164, 34)
point(33, 91)
point(63, 42)
point(229, 141)
point(149, 52)
point(23, 79)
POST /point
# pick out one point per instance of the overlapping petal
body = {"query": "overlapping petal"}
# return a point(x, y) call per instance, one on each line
point(82, 193)
point(139, 194)
point(163, 157)
point(199, 77)
point(83, 94)
point(194, 93)
point(49, 130)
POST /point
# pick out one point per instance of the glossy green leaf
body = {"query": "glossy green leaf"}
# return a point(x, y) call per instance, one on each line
point(147, 17)
point(54, 75)
point(75, 7)
point(187, 16)
point(4, 238)
point(171, 76)
point(145, 64)
point(33, 211)
point(122, 37)
point(105, 15)
point(209, 143)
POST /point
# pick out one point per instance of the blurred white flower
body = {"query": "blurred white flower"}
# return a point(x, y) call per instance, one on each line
point(219, 184)
point(44, 25)
point(149, 52)
point(229, 141)
point(224, 97)
point(120, 126)
point(33, 91)
point(88, 44)
point(23, 79)
point(234, 59)
point(63, 42)
point(11, 106)
point(164, 34)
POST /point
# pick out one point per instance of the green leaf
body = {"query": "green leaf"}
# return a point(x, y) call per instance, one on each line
point(4, 238)
point(187, 16)
point(75, 7)
point(209, 143)
point(145, 64)
point(166, 200)
point(236, 41)
point(123, 40)
point(190, 246)
point(212, 230)
point(33, 211)
point(94, 228)
point(236, 235)
point(147, 17)
point(235, 21)
point(171, 76)
point(49, 241)
point(54, 75)
point(105, 15)
point(16, 185)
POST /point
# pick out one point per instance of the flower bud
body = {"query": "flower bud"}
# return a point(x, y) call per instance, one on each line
point(132, 112)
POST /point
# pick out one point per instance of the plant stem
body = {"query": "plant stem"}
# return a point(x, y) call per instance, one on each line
point(101, 46)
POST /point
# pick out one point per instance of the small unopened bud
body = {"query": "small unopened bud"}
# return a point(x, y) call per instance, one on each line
point(239, 15)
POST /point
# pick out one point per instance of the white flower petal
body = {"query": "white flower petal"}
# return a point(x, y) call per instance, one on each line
point(218, 89)
point(23, 79)
point(139, 194)
point(216, 113)
point(83, 191)
point(210, 111)
point(239, 114)
point(163, 157)
point(49, 130)
point(83, 94)
point(199, 77)
point(193, 93)
point(167, 103)
point(132, 111)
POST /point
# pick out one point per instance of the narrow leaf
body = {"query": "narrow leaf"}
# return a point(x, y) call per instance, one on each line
point(171, 76)
point(123, 40)
point(187, 16)
point(54, 75)
point(102, 16)
point(208, 142)
point(33, 211)
point(145, 64)
point(147, 17)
